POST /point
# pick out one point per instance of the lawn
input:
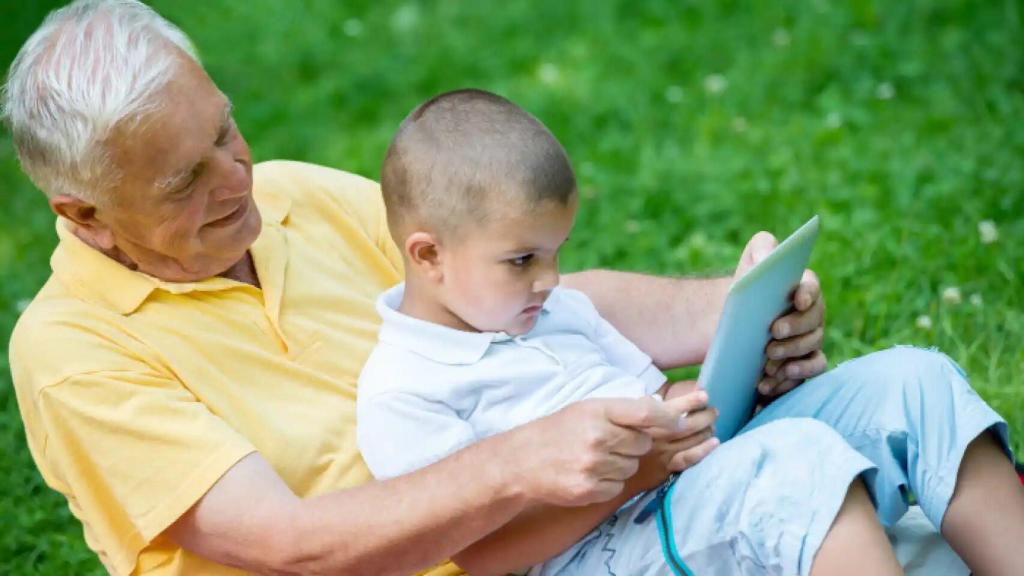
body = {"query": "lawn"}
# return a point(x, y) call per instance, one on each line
point(691, 125)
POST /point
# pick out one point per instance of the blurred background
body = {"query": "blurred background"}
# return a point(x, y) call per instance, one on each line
point(691, 125)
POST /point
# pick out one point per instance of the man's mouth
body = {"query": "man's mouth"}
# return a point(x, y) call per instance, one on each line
point(230, 218)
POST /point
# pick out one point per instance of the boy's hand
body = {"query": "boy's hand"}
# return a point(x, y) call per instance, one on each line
point(690, 443)
point(794, 353)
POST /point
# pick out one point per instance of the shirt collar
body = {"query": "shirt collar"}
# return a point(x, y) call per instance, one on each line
point(427, 339)
point(95, 277)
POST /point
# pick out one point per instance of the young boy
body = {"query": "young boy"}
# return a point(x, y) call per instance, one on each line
point(480, 338)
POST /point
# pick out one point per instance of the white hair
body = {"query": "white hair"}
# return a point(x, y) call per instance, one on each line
point(90, 66)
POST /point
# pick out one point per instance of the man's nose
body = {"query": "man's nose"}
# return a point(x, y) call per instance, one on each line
point(233, 179)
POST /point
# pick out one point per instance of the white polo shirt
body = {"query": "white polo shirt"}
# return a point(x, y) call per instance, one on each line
point(428, 390)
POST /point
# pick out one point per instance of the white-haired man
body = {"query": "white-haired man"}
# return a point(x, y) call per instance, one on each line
point(187, 375)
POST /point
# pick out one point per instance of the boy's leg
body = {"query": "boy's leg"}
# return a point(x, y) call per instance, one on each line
point(913, 414)
point(856, 533)
point(985, 518)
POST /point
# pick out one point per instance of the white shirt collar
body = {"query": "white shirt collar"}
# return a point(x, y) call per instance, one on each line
point(430, 340)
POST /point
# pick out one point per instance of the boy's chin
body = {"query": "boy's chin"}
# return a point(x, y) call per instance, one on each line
point(522, 326)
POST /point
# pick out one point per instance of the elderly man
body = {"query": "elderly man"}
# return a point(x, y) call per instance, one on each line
point(187, 375)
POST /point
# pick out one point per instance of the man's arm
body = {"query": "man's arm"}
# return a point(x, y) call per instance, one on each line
point(543, 531)
point(671, 319)
point(674, 320)
point(583, 454)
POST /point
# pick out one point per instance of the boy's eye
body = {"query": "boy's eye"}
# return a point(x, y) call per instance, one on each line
point(520, 261)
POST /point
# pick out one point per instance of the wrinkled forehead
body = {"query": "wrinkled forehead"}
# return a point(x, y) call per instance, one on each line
point(174, 133)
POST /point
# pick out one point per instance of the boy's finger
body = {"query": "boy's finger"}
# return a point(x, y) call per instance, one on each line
point(688, 458)
point(687, 403)
point(694, 423)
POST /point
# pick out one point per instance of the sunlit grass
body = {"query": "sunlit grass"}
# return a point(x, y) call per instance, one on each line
point(691, 126)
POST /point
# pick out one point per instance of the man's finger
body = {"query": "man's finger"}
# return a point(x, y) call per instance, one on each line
point(641, 413)
point(794, 347)
point(631, 443)
point(807, 292)
point(757, 249)
point(799, 322)
point(615, 467)
point(782, 387)
point(803, 368)
point(604, 491)
point(767, 385)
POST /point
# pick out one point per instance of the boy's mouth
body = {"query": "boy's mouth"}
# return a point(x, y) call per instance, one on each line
point(532, 309)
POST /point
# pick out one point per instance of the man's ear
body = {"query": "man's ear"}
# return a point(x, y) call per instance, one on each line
point(423, 253)
point(83, 214)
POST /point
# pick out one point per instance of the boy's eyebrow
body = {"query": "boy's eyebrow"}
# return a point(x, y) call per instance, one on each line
point(175, 180)
point(525, 248)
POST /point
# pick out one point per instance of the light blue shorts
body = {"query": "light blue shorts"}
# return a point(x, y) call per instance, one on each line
point(763, 502)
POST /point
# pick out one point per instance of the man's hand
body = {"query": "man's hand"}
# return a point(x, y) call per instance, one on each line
point(794, 354)
point(586, 452)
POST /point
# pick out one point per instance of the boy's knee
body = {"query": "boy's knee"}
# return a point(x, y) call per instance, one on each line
point(903, 372)
point(799, 441)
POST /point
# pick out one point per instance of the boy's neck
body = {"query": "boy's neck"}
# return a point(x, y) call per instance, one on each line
point(420, 304)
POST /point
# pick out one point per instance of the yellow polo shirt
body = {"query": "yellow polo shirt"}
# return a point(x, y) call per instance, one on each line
point(138, 394)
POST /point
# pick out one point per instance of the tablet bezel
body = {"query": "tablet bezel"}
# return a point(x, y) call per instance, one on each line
point(736, 358)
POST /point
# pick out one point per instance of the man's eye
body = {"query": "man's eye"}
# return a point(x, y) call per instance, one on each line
point(521, 261)
point(226, 133)
point(185, 189)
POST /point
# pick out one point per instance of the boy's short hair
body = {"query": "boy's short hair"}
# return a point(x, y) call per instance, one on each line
point(461, 155)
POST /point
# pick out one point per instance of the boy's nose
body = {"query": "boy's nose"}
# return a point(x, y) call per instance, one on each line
point(546, 281)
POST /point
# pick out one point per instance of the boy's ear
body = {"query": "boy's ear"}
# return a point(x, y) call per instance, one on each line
point(423, 253)
point(83, 214)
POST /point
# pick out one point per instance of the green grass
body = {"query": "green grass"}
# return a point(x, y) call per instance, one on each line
point(898, 122)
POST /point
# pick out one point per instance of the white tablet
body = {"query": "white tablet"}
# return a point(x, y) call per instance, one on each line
point(735, 361)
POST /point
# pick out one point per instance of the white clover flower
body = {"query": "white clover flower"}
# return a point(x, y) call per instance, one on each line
point(975, 300)
point(405, 18)
point(352, 27)
point(833, 120)
point(885, 91)
point(715, 83)
point(739, 124)
point(548, 73)
point(780, 37)
point(674, 94)
point(924, 322)
point(951, 296)
point(631, 226)
point(988, 232)
point(860, 38)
